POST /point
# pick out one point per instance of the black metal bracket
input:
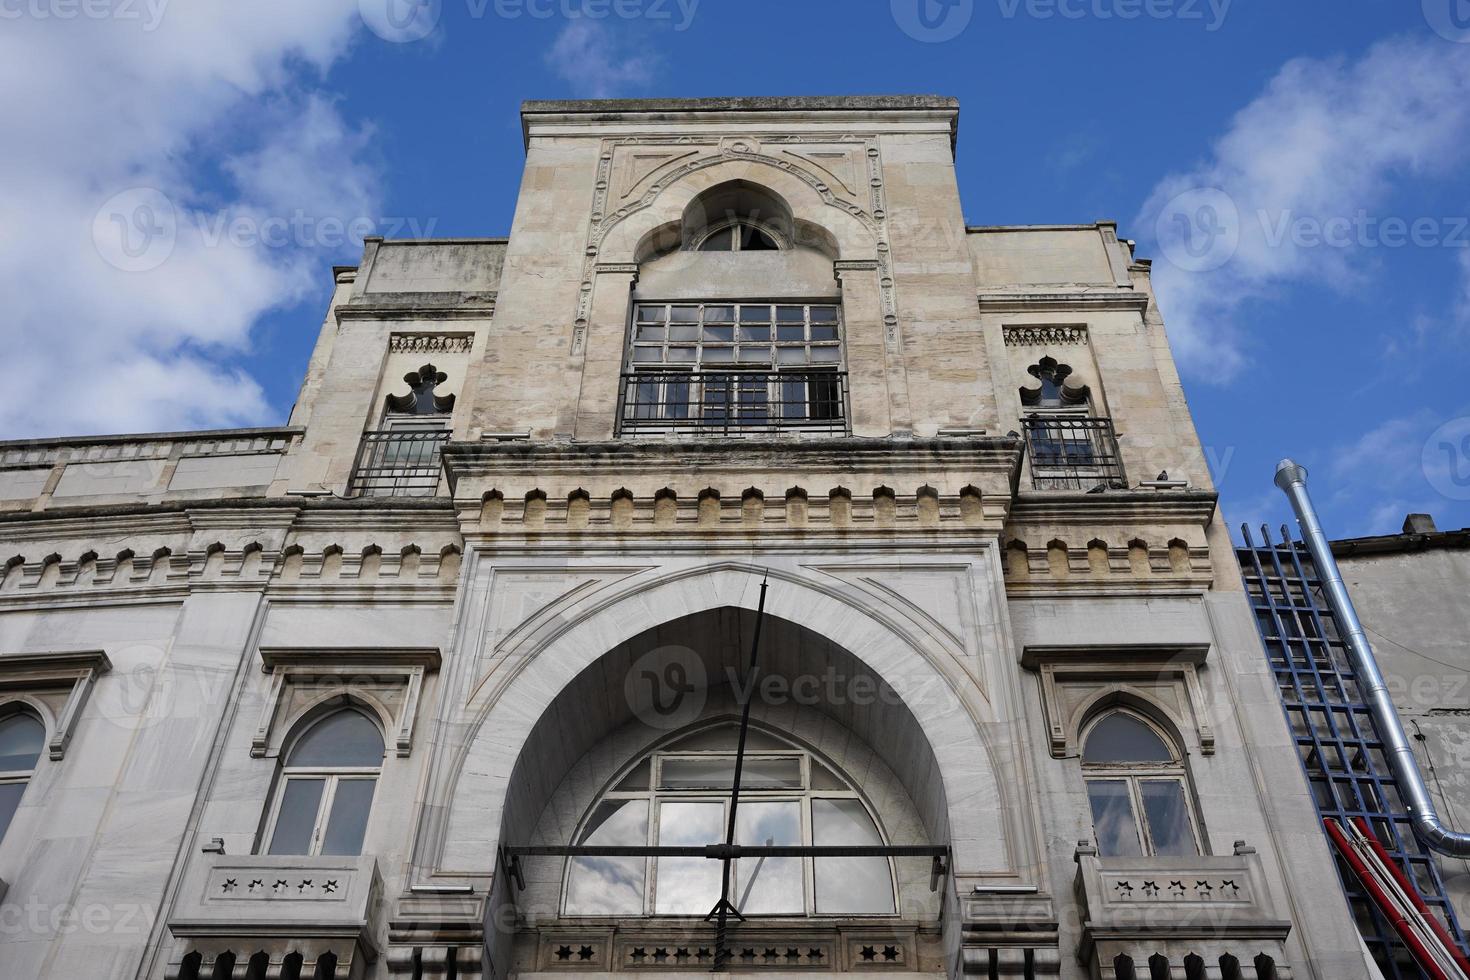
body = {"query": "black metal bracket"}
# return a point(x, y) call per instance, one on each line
point(938, 869)
point(510, 866)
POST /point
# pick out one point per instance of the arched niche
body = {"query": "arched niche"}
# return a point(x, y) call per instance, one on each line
point(527, 736)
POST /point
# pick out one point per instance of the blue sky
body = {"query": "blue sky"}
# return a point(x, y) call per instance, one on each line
point(1300, 141)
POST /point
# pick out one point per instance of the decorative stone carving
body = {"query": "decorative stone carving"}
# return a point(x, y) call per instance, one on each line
point(1044, 335)
point(430, 343)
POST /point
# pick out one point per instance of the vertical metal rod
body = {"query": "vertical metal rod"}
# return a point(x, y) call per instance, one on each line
point(1292, 479)
point(723, 908)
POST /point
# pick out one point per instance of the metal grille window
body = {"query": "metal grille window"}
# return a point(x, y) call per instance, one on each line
point(1337, 742)
point(679, 795)
point(734, 367)
point(1072, 452)
point(401, 459)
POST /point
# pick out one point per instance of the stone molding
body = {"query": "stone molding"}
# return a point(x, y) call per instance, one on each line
point(1063, 302)
point(1120, 670)
point(74, 672)
point(358, 669)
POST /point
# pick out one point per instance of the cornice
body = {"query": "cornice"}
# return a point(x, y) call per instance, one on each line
point(1064, 302)
point(1114, 507)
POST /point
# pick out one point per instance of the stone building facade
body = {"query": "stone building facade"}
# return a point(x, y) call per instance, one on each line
point(276, 702)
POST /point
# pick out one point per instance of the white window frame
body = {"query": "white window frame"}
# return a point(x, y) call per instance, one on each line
point(332, 777)
point(1135, 774)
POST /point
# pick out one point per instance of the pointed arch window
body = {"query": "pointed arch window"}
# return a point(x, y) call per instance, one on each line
point(679, 795)
point(22, 736)
point(1137, 787)
point(327, 785)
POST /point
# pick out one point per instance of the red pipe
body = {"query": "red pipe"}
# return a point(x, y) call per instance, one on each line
point(1402, 877)
point(1385, 904)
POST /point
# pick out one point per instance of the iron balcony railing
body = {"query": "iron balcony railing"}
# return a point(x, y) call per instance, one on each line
point(398, 463)
point(1073, 453)
point(734, 403)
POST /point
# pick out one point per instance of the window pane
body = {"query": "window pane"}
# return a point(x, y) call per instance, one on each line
point(824, 314)
point(719, 335)
point(717, 772)
point(755, 314)
point(1168, 818)
point(719, 314)
point(647, 355)
point(637, 780)
point(752, 239)
point(826, 355)
point(21, 739)
point(296, 821)
point(684, 332)
point(688, 886)
point(654, 313)
point(755, 355)
point(821, 331)
point(719, 355)
point(790, 333)
point(859, 885)
point(610, 886)
point(1112, 818)
point(10, 794)
point(1122, 738)
point(681, 355)
point(768, 886)
point(684, 314)
point(654, 334)
point(791, 314)
point(791, 355)
point(824, 778)
point(720, 241)
point(723, 738)
point(347, 824)
point(759, 334)
point(343, 739)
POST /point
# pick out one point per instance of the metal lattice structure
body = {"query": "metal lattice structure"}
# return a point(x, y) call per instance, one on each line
point(1336, 739)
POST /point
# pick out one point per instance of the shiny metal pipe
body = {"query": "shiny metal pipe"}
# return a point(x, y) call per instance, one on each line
point(1292, 479)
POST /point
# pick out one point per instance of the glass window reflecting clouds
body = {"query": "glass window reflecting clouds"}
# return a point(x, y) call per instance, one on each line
point(787, 798)
point(1136, 787)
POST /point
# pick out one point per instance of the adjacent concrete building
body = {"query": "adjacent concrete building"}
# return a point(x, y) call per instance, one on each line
point(334, 698)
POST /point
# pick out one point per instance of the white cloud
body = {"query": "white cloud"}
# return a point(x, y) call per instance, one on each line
point(597, 63)
point(97, 107)
point(1328, 139)
point(1373, 481)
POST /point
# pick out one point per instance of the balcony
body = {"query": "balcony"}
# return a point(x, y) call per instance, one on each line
point(398, 463)
point(733, 404)
point(277, 916)
point(1161, 914)
point(1073, 453)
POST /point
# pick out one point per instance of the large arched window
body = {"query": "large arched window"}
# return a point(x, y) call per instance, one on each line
point(679, 795)
point(327, 785)
point(22, 736)
point(1137, 787)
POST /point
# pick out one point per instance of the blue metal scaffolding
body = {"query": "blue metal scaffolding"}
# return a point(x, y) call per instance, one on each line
point(1336, 740)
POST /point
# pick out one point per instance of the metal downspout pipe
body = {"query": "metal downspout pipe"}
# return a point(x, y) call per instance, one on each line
point(1292, 479)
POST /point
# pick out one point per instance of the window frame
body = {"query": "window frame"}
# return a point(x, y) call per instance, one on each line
point(765, 228)
point(22, 777)
point(331, 776)
point(1134, 774)
point(655, 797)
